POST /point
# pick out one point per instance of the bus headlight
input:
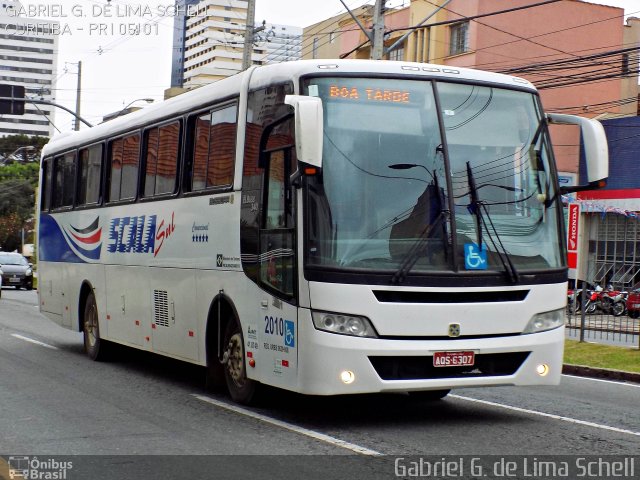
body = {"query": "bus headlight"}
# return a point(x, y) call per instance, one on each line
point(343, 324)
point(545, 321)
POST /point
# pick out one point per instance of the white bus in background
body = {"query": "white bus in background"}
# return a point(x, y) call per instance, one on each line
point(326, 227)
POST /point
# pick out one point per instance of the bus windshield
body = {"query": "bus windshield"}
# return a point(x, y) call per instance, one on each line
point(403, 186)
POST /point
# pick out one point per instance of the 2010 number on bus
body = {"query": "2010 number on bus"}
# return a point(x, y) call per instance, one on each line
point(274, 326)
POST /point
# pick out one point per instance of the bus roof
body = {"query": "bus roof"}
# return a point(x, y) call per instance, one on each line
point(266, 75)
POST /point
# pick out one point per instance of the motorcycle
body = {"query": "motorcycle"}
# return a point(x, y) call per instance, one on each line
point(619, 307)
point(609, 301)
point(575, 298)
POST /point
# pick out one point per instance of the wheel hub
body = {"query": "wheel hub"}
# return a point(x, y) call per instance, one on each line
point(235, 360)
point(90, 327)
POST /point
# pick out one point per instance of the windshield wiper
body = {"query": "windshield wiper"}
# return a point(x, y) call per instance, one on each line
point(419, 247)
point(479, 209)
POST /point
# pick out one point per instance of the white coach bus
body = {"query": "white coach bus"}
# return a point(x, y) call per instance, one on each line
point(326, 227)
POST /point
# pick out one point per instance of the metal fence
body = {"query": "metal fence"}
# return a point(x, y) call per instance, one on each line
point(614, 255)
point(602, 327)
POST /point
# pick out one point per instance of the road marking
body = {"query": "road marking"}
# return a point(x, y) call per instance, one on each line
point(288, 426)
point(548, 415)
point(602, 380)
point(31, 340)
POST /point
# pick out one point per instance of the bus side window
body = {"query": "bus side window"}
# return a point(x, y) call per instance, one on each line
point(124, 155)
point(130, 166)
point(161, 159)
point(46, 185)
point(200, 152)
point(214, 148)
point(275, 197)
point(267, 133)
point(89, 175)
point(63, 185)
point(277, 259)
point(115, 169)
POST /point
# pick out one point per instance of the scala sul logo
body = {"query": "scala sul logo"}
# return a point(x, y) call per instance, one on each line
point(139, 234)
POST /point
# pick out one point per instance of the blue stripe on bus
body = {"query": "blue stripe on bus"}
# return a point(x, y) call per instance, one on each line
point(53, 246)
point(90, 254)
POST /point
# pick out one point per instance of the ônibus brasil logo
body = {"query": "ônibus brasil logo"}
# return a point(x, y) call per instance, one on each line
point(35, 468)
point(139, 234)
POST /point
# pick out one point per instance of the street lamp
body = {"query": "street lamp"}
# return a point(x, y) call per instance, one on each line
point(12, 156)
point(148, 100)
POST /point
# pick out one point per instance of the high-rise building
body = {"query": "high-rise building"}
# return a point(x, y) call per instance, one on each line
point(29, 56)
point(183, 7)
point(283, 43)
point(214, 42)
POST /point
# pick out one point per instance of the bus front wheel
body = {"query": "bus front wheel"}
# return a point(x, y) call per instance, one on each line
point(241, 389)
point(94, 347)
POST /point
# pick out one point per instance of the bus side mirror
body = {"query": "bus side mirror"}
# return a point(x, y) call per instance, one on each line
point(309, 128)
point(595, 149)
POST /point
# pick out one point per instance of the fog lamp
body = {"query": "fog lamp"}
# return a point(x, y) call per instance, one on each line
point(347, 377)
point(542, 369)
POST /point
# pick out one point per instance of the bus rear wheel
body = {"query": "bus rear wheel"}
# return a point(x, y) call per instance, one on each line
point(95, 348)
point(241, 389)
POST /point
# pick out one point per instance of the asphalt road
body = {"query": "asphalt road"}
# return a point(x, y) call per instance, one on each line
point(56, 402)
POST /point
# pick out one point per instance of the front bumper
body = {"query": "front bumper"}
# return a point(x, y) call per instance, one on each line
point(328, 355)
point(17, 280)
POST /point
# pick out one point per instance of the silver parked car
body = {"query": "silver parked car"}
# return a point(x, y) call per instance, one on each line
point(16, 271)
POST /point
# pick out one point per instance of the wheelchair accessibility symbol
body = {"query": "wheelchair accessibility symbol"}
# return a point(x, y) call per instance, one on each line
point(474, 258)
point(289, 333)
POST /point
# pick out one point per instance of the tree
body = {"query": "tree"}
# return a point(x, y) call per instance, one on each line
point(18, 184)
point(11, 143)
point(17, 200)
point(20, 171)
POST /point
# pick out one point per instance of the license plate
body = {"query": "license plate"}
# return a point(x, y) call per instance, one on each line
point(14, 280)
point(635, 305)
point(453, 359)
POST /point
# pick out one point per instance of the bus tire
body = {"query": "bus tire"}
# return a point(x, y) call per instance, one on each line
point(94, 347)
point(241, 389)
point(429, 395)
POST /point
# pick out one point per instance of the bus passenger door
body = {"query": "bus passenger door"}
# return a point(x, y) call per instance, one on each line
point(278, 326)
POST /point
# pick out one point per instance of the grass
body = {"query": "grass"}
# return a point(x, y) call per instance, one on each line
point(602, 356)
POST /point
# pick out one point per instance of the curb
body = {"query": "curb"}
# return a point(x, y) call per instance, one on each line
point(603, 373)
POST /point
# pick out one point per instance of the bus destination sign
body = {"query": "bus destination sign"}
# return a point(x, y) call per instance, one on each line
point(368, 94)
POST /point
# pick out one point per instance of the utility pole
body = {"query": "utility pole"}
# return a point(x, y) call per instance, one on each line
point(78, 89)
point(248, 35)
point(377, 48)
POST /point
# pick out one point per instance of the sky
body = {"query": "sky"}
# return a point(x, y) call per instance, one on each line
point(125, 46)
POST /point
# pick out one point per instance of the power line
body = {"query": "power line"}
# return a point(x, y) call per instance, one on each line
point(500, 30)
point(324, 32)
point(449, 22)
point(593, 107)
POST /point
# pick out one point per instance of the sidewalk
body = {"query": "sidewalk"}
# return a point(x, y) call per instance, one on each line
point(602, 373)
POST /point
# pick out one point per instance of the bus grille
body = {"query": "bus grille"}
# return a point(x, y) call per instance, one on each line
point(161, 308)
point(421, 368)
point(385, 296)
